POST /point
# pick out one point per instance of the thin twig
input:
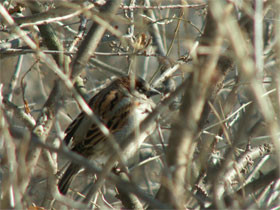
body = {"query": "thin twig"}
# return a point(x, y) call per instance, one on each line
point(179, 6)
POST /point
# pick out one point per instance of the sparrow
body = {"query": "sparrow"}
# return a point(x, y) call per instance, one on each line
point(121, 106)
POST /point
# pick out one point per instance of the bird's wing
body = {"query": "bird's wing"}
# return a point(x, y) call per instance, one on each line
point(114, 120)
point(70, 130)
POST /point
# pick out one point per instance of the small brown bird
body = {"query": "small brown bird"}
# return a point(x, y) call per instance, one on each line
point(121, 106)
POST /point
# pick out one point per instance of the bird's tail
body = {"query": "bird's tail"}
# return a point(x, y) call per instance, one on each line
point(68, 177)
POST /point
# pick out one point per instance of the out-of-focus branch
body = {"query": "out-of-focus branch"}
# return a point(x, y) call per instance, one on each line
point(53, 192)
point(181, 141)
point(248, 70)
point(14, 79)
point(129, 200)
point(92, 39)
point(252, 187)
point(154, 30)
point(20, 114)
point(92, 168)
point(45, 120)
point(237, 167)
point(48, 33)
point(161, 7)
point(60, 13)
point(10, 194)
point(41, 131)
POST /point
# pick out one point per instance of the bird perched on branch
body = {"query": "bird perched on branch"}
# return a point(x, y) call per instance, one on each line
point(121, 107)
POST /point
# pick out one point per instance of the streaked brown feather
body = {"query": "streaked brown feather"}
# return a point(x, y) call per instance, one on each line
point(113, 106)
point(113, 121)
point(72, 128)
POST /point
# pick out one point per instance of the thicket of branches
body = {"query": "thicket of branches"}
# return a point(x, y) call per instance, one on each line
point(216, 62)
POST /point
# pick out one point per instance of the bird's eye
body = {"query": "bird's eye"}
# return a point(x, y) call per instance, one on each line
point(142, 86)
point(140, 90)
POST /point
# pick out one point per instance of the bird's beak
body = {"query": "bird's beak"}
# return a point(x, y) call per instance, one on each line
point(153, 91)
